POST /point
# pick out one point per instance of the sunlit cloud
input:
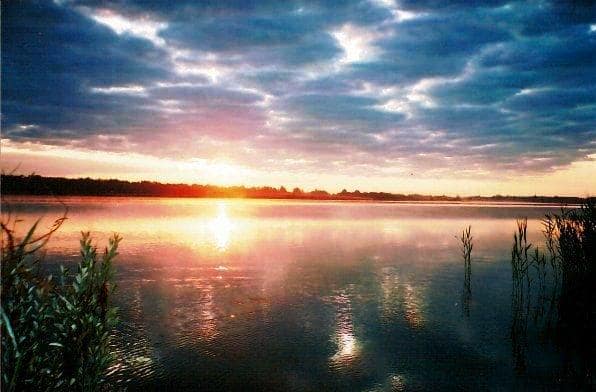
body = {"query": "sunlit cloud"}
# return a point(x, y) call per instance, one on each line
point(133, 90)
point(399, 14)
point(212, 72)
point(76, 162)
point(140, 27)
point(356, 43)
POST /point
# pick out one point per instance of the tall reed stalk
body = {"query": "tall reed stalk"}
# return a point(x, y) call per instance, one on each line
point(466, 249)
point(564, 298)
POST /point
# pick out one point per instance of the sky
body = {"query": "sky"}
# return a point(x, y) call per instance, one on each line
point(435, 97)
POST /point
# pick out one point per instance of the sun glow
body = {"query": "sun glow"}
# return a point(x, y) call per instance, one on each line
point(71, 162)
point(576, 179)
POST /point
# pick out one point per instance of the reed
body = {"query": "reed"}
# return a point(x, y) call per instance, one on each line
point(520, 296)
point(55, 332)
point(466, 249)
point(557, 285)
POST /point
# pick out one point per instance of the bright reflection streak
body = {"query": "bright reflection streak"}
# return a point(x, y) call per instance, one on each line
point(389, 283)
point(397, 382)
point(413, 311)
point(348, 348)
point(347, 345)
point(402, 298)
point(208, 326)
point(221, 227)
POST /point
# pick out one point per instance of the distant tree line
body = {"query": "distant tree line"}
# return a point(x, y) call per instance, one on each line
point(59, 186)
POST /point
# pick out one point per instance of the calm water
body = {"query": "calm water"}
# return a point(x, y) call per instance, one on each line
point(300, 296)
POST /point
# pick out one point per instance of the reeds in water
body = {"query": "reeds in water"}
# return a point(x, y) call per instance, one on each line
point(557, 286)
point(466, 249)
point(520, 295)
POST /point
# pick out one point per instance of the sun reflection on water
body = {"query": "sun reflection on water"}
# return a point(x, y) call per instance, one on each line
point(348, 347)
point(208, 327)
point(413, 308)
point(222, 227)
point(402, 298)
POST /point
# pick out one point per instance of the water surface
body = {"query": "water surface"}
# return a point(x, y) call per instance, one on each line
point(301, 295)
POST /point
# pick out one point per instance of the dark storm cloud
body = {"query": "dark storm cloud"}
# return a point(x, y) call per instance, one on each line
point(274, 82)
point(262, 33)
point(296, 36)
point(484, 86)
point(341, 110)
point(435, 45)
point(254, 32)
point(551, 17)
point(205, 95)
point(498, 83)
point(566, 60)
point(52, 57)
point(446, 6)
point(552, 100)
point(319, 12)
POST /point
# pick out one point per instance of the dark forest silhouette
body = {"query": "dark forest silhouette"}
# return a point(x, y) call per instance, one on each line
point(38, 185)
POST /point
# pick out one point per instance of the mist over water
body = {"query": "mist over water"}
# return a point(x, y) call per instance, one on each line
point(295, 295)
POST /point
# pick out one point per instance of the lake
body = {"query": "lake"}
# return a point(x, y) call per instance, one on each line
point(305, 296)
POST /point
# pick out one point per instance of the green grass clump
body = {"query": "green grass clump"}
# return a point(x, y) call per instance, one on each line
point(55, 332)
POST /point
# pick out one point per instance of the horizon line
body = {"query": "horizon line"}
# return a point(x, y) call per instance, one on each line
point(290, 190)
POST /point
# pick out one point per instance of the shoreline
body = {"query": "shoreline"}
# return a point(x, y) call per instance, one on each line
point(486, 203)
point(34, 185)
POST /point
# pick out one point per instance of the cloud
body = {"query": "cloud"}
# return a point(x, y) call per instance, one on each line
point(205, 95)
point(338, 108)
point(447, 6)
point(497, 87)
point(429, 46)
point(52, 57)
